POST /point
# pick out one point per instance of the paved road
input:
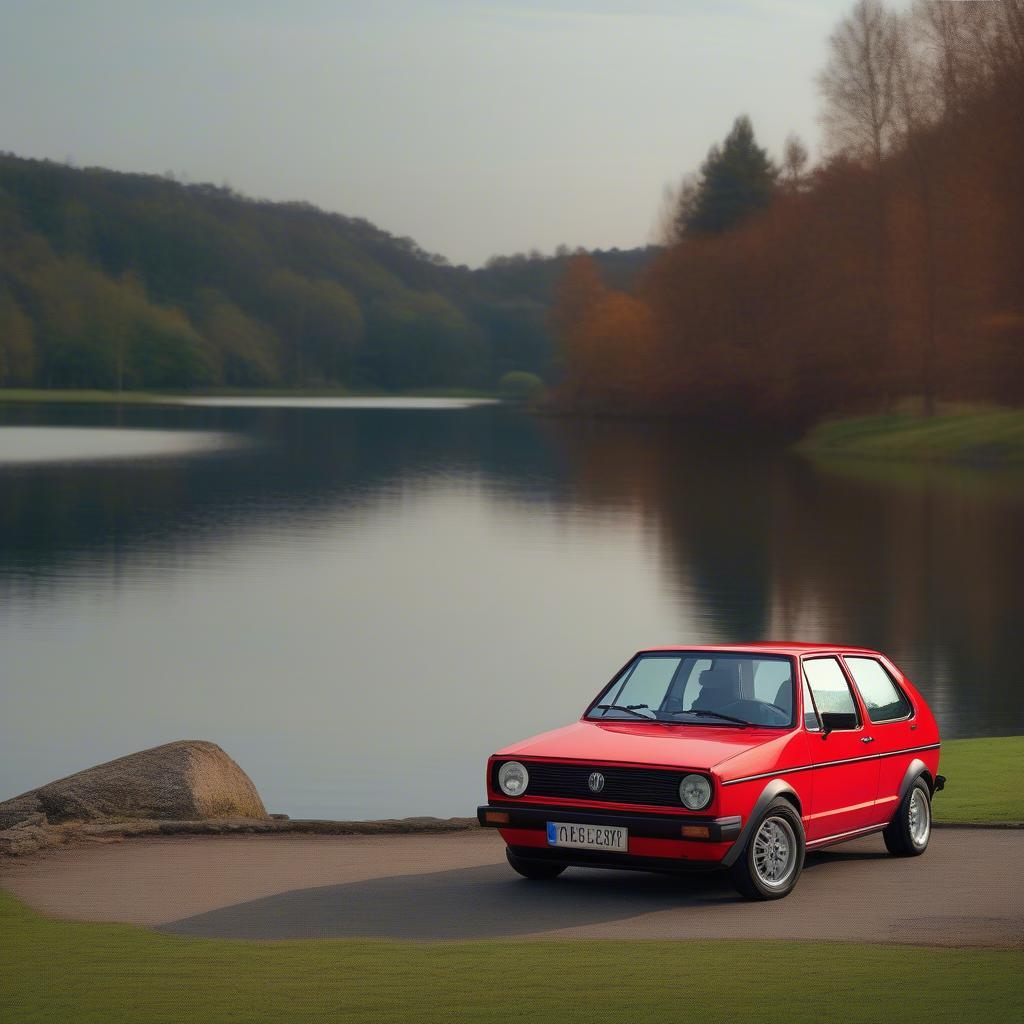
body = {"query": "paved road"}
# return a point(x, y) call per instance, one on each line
point(964, 891)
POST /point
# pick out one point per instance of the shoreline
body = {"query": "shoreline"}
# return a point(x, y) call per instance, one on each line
point(31, 836)
point(980, 795)
point(76, 834)
point(977, 438)
point(143, 397)
point(98, 396)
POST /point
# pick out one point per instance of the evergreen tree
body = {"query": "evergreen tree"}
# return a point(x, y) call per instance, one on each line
point(736, 179)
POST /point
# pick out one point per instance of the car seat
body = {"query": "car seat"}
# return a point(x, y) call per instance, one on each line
point(719, 687)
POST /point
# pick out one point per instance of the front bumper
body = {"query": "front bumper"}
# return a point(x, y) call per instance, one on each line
point(647, 826)
point(657, 842)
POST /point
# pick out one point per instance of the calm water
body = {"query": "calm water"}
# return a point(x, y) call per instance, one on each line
point(360, 602)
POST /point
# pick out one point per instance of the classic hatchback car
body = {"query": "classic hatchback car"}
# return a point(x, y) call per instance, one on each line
point(735, 757)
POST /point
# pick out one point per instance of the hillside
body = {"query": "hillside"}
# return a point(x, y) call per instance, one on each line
point(112, 280)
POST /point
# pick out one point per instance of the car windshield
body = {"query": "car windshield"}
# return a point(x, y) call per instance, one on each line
point(701, 688)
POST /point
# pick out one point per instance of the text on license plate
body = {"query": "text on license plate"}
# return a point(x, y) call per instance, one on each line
point(588, 837)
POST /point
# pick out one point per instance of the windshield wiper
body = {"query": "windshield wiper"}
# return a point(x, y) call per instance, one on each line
point(629, 708)
point(706, 713)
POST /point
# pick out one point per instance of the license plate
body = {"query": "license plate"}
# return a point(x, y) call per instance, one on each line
point(588, 837)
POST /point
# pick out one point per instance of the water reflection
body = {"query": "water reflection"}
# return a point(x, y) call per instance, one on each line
point(31, 445)
point(360, 604)
point(924, 562)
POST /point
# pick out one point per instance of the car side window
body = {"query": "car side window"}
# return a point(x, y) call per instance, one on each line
point(811, 723)
point(830, 689)
point(882, 697)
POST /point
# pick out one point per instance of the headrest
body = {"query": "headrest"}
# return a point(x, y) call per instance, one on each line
point(784, 696)
point(722, 678)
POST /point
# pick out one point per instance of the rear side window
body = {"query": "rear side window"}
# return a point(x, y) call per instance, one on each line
point(882, 697)
point(831, 690)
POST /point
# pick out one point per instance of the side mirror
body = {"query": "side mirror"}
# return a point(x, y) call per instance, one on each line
point(837, 720)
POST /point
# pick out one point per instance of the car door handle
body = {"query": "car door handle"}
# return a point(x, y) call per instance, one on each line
point(867, 739)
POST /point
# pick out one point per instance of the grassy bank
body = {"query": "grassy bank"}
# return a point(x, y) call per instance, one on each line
point(77, 396)
point(73, 396)
point(984, 780)
point(975, 436)
point(60, 971)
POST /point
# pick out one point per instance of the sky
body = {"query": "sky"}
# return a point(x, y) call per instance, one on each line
point(476, 127)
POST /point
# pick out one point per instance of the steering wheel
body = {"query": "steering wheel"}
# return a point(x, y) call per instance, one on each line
point(771, 708)
point(774, 708)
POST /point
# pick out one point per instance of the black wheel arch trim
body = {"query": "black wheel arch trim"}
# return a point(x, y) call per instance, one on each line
point(914, 771)
point(775, 789)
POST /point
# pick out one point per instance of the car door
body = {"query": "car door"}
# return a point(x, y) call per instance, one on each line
point(890, 726)
point(845, 768)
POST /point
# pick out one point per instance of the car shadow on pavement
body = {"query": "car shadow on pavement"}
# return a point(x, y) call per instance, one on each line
point(476, 903)
point(819, 858)
point(468, 903)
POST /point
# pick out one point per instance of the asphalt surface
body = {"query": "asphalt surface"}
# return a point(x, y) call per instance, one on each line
point(964, 891)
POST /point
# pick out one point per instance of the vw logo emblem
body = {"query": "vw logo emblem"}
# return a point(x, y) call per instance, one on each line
point(596, 782)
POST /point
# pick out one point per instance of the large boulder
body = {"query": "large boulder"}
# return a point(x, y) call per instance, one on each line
point(187, 780)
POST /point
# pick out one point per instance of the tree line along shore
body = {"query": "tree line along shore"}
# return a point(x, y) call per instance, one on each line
point(124, 282)
point(894, 268)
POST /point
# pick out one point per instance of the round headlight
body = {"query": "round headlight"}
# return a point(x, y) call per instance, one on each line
point(513, 778)
point(695, 791)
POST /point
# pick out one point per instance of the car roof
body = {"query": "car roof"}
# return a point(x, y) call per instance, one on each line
point(786, 647)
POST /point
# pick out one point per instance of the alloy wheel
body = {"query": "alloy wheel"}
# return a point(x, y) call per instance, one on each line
point(919, 818)
point(775, 852)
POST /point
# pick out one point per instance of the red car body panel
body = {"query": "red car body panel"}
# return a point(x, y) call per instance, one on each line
point(638, 743)
point(844, 783)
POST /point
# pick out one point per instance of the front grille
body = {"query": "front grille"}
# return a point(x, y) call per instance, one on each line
point(621, 785)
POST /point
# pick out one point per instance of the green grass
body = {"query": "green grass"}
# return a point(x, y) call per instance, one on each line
point(62, 971)
point(973, 435)
point(109, 974)
point(984, 780)
point(76, 396)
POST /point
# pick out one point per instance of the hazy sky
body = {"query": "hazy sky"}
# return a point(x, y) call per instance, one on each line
point(474, 126)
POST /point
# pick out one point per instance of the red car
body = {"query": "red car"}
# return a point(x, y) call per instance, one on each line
point(735, 757)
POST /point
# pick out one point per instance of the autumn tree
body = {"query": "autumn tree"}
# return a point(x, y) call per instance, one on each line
point(736, 180)
point(861, 92)
point(577, 293)
point(895, 270)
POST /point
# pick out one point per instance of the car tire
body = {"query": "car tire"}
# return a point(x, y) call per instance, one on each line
point(908, 833)
point(537, 870)
point(773, 857)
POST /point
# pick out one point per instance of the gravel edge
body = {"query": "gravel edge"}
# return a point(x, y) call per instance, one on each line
point(30, 837)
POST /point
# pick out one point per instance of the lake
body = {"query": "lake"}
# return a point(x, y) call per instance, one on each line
point(361, 600)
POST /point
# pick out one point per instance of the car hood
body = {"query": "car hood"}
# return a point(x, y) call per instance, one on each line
point(670, 746)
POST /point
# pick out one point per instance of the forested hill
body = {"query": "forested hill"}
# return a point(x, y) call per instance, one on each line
point(128, 280)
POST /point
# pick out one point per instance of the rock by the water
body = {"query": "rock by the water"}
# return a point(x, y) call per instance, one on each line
point(185, 781)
